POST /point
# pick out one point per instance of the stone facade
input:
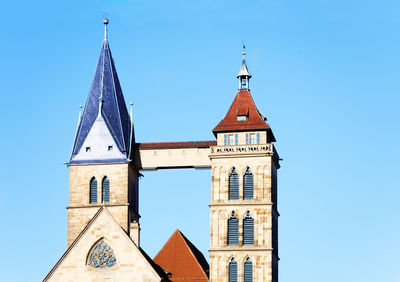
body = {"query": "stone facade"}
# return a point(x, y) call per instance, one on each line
point(263, 162)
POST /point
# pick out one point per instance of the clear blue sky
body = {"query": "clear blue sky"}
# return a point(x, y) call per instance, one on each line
point(325, 73)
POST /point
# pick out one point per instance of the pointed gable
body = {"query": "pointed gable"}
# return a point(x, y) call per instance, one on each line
point(106, 89)
point(131, 262)
point(242, 106)
point(182, 259)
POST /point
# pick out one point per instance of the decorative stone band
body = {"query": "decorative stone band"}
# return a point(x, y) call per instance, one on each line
point(265, 149)
point(240, 248)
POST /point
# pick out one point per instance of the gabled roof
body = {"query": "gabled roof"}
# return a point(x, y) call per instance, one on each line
point(182, 259)
point(242, 105)
point(106, 88)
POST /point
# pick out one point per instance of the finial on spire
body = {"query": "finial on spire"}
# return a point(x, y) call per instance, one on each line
point(244, 74)
point(105, 22)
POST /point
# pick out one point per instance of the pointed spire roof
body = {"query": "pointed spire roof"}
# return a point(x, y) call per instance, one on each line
point(243, 106)
point(182, 259)
point(106, 90)
point(244, 72)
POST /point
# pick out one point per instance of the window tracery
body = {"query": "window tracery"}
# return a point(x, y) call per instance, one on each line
point(101, 255)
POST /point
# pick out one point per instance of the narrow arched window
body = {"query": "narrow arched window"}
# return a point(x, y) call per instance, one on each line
point(233, 230)
point(233, 270)
point(248, 270)
point(248, 230)
point(93, 191)
point(233, 185)
point(248, 185)
point(105, 190)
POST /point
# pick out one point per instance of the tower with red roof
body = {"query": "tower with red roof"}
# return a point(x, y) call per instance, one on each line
point(243, 208)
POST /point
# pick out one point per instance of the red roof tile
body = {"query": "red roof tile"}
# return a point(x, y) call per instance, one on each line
point(182, 259)
point(242, 105)
point(176, 145)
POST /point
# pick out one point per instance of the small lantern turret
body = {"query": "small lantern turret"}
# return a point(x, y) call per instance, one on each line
point(244, 75)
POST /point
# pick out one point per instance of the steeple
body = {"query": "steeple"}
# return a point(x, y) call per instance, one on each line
point(244, 75)
point(105, 132)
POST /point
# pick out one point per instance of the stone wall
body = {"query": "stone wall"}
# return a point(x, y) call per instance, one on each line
point(80, 211)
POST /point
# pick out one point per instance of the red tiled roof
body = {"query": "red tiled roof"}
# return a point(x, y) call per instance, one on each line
point(182, 259)
point(242, 105)
point(176, 145)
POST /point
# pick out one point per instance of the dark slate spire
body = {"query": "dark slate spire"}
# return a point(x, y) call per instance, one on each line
point(106, 90)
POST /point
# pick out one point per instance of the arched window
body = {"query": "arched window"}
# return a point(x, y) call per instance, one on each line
point(248, 185)
point(233, 185)
point(93, 191)
point(101, 255)
point(248, 270)
point(105, 190)
point(233, 230)
point(248, 230)
point(233, 270)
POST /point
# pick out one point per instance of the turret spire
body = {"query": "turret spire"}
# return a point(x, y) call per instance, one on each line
point(244, 74)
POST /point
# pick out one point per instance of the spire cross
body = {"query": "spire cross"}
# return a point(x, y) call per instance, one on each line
point(105, 28)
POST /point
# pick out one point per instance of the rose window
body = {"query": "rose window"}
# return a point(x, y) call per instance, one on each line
point(101, 255)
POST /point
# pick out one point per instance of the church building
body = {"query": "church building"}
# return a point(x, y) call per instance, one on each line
point(103, 240)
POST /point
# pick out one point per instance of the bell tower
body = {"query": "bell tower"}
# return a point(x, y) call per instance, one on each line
point(101, 170)
point(243, 208)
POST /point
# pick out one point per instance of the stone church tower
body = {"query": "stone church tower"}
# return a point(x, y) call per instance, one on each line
point(243, 208)
point(103, 212)
point(101, 155)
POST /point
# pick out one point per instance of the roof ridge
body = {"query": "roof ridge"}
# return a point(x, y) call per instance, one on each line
point(115, 91)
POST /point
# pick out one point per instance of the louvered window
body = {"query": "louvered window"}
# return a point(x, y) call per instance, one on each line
point(248, 230)
point(248, 185)
point(233, 230)
point(233, 185)
point(93, 191)
point(232, 271)
point(106, 190)
point(248, 271)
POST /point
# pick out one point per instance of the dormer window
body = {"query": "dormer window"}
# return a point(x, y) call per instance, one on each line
point(110, 148)
point(88, 149)
point(242, 114)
